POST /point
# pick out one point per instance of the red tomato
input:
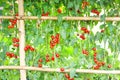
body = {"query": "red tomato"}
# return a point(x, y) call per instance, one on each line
point(67, 75)
point(59, 10)
point(16, 45)
point(40, 65)
point(40, 60)
point(109, 66)
point(94, 49)
point(32, 49)
point(52, 58)
point(47, 60)
point(82, 37)
point(57, 55)
point(62, 69)
point(25, 48)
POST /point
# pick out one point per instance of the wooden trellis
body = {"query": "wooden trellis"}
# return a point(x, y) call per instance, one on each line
point(64, 18)
point(58, 70)
point(23, 67)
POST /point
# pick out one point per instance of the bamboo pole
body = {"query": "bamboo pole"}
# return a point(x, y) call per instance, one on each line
point(64, 18)
point(22, 40)
point(58, 70)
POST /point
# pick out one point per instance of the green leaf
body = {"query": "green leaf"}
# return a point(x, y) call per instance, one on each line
point(102, 26)
point(59, 18)
point(65, 24)
point(72, 65)
point(102, 17)
point(61, 76)
point(111, 27)
point(75, 50)
point(63, 34)
point(56, 1)
point(40, 40)
point(70, 4)
point(72, 73)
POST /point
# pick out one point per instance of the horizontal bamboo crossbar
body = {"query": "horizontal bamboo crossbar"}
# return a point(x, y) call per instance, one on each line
point(58, 70)
point(64, 18)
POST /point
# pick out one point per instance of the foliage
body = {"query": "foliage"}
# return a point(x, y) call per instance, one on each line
point(76, 43)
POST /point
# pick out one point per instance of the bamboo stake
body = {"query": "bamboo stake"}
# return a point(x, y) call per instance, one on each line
point(64, 18)
point(22, 40)
point(58, 70)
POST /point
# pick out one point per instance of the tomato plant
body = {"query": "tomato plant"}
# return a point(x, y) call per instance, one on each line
point(62, 44)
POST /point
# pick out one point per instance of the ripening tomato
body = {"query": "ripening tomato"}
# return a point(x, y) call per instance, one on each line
point(83, 28)
point(10, 26)
point(52, 58)
point(57, 55)
point(82, 37)
point(109, 66)
point(71, 79)
point(40, 60)
point(7, 53)
point(103, 63)
point(87, 31)
point(62, 69)
point(84, 51)
point(67, 75)
point(47, 60)
point(95, 11)
point(25, 49)
point(52, 37)
point(40, 65)
point(11, 55)
point(96, 67)
point(102, 30)
point(94, 49)
point(59, 10)
point(32, 49)
point(16, 45)
point(15, 56)
point(47, 56)
point(84, 4)
point(16, 14)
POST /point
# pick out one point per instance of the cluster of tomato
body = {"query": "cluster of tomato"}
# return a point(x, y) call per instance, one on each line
point(54, 40)
point(98, 63)
point(84, 4)
point(52, 58)
point(28, 47)
point(15, 42)
point(47, 13)
point(66, 74)
point(85, 31)
point(13, 22)
point(40, 62)
point(48, 59)
point(59, 10)
point(11, 55)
